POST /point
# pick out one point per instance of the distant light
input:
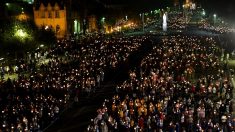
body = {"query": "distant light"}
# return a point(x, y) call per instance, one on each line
point(203, 13)
point(157, 11)
point(7, 4)
point(41, 45)
point(20, 33)
point(214, 15)
point(103, 19)
point(47, 27)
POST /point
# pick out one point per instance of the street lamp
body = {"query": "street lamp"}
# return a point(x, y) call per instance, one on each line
point(203, 13)
point(214, 18)
point(168, 9)
point(42, 45)
point(75, 26)
point(103, 23)
point(103, 20)
point(22, 10)
point(214, 15)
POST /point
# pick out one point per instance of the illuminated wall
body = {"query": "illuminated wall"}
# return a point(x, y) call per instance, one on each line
point(187, 3)
point(53, 17)
point(68, 20)
point(22, 17)
point(77, 27)
point(92, 24)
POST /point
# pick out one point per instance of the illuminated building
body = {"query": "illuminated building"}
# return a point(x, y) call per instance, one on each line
point(92, 25)
point(62, 17)
point(51, 16)
point(189, 4)
point(22, 16)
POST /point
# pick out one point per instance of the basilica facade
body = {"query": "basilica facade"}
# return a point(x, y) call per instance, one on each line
point(61, 18)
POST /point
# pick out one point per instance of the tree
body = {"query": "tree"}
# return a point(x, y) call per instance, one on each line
point(19, 37)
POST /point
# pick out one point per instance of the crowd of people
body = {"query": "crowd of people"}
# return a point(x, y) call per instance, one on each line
point(177, 21)
point(56, 77)
point(217, 27)
point(180, 86)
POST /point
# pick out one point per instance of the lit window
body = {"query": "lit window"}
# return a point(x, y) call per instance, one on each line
point(43, 15)
point(57, 28)
point(49, 15)
point(57, 14)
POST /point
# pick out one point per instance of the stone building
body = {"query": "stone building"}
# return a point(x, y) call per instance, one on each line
point(62, 17)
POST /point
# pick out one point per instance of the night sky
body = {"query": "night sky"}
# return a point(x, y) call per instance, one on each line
point(222, 7)
point(225, 8)
point(134, 7)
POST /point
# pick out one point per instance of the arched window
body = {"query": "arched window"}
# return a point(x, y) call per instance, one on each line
point(57, 28)
point(49, 14)
point(43, 14)
point(57, 14)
